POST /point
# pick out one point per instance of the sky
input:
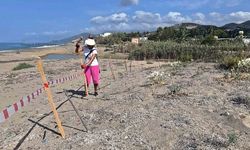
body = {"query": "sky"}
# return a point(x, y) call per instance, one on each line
point(46, 20)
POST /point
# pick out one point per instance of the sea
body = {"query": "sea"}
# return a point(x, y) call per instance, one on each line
point(8, 47)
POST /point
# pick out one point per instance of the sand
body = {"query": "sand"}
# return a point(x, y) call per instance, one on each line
point(192, 108)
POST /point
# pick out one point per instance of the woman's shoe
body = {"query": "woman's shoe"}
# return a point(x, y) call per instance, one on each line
point(96, 94)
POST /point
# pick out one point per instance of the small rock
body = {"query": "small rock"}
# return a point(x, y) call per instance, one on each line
point(210, 110)
point(225, 114)
point(246, 121)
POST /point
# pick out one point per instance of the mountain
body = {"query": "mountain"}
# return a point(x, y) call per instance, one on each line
point(194, 26)
point(16, 46)
point(228, 27)
point(70, 39)
point(186, 25)
point(246, 24)
point(234, 26)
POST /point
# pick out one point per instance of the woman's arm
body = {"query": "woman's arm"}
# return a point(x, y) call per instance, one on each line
point(91, 59)
point(78, 45)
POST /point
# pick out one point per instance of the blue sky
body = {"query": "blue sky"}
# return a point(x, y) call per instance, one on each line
point(46, 20)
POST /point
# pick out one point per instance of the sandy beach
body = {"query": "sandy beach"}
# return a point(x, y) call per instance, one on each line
point(192, 108)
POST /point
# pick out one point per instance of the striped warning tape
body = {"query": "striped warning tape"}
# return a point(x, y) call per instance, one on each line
point(10, 110)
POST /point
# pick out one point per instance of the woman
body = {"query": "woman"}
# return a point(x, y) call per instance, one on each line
point(77, 45)
point(91, 65)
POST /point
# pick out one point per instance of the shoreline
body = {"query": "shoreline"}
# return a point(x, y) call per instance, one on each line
point(30, 48)
point(29, 54)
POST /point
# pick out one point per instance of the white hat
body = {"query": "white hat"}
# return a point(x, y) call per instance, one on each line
point(90, 42)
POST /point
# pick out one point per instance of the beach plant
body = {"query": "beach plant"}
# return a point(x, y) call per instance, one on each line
point(175, 64)
point(232, 138)
point(174, 89)
point(21, 66)
point(244, 65)
point(150, 62)
point(157, 77)
point(230, 62)
point(241, 100)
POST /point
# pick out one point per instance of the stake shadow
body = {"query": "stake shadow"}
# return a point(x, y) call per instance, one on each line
point(45, 127)
point(75, 92)
point(67, 126)
point(37, 122)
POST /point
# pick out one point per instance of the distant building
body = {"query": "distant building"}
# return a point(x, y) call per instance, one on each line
point(216, 37)
point(189, 27)
point(241, 34)
point(143, 38)
point(105, 34)
point(246, 41)
point(135, 40)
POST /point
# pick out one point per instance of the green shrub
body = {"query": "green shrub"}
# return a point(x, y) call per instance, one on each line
point(186, 57)
point(150, 62)
point(232, 138)
point(174, 89)
point(209, 40)
point(22, 66)
point(185, 51)
point(230, 62)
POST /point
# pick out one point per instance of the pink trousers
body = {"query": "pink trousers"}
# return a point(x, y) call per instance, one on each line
point(92, 72)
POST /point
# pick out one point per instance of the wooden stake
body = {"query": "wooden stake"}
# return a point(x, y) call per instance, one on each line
point(126, 67)
point(84, 77)
point(159, 62)
point(130, 65)
point(50, 99)
point(111, 69)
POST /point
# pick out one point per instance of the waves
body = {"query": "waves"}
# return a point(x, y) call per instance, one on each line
point(9, 47)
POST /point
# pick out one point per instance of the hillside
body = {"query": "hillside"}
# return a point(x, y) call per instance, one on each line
point(69, 39)
point(234, 26)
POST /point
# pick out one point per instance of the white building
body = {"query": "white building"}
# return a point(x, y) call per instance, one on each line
point(143, 38)
point(105, 34)
point(246, 41)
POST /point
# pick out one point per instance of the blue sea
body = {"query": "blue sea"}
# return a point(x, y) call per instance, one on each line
point(60, 56)
point(5, 47)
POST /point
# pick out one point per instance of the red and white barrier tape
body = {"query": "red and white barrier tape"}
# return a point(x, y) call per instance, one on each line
point(9, 111)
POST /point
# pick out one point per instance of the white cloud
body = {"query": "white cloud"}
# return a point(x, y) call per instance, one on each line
point(47, 33)
point(216, 15)
point(120, 17)
point(176, 17)
point(98, 20)
point(236, 17)
point(55, 32)
point(146, 17)
point(148, 21)
point(114, 18)
point(240, 16)
point(108, 28)
point(129, 2)
point(199, 18)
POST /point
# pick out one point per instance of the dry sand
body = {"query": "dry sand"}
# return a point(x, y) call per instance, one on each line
point(129, 113)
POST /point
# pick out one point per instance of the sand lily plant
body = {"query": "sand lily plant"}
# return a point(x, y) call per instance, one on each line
point(157, 77)
point(244, 65)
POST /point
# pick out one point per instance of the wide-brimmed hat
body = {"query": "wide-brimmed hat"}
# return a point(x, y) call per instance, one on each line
point(90, 42)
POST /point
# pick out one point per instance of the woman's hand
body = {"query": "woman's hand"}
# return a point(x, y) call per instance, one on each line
point(83, 66)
